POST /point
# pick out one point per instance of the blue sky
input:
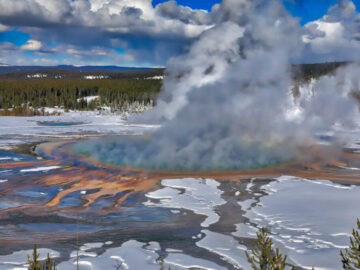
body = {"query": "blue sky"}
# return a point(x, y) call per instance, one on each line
point(14, 36)
point(307, 10)
point(310, 10)
point(39, 35)
point(196, 4)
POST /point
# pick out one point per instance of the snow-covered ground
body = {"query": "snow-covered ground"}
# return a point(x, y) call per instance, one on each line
point(17, 260)
point(18, 130)
point(200, 196)
point(130, 255)
point(309, 220)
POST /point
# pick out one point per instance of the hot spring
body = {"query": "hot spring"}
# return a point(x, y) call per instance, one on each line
point(145, 153)
point(231, 101)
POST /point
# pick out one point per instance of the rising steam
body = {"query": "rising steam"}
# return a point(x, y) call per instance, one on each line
point(228, 103)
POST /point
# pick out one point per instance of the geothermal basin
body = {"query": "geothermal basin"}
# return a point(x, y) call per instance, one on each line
point(130, 218)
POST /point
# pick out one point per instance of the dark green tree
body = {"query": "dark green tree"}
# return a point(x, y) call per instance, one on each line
point(34, 263)
point(263, 256)
point(350, 258)
point(49, 264)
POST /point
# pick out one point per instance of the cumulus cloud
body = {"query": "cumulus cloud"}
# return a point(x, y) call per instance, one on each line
point(152, 35)
point(336, 36)
point(343, 10)
point(187, 15)
point(32, 45)
point(148, 34)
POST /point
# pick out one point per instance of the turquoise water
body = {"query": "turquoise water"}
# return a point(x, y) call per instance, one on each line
point(137, 152)
point(59, 124)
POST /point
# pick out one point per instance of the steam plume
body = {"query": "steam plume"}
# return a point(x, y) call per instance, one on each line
point(228, 103)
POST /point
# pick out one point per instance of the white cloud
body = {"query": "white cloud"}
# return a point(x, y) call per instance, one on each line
point(32, 45)
point(123, 16)
point(336, 36)
point(148, 34)
point(4, 28)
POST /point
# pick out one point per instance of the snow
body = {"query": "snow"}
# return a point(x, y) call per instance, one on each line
point(200, 196)
point(37, 75)
point(184, 261)
point(89, 246)
point(93, 77)
point(40, 169)
point(131, 255)
point(158, 77)
point(135, 255)
point(310, 220)
point(88, 99)
point(49, 110)
point(18, 259)
point(226, 246)
point(73, 124)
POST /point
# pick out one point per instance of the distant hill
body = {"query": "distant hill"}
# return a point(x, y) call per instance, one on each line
point(300, 72)
point(71, 72)
point(10, 69)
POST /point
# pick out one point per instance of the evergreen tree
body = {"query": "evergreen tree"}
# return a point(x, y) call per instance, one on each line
point(263, 256)
point(49, 264)
point(34, 263)
point(351, 257)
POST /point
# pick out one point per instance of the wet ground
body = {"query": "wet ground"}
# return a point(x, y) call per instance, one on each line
point(126, 218)
point(203, 220)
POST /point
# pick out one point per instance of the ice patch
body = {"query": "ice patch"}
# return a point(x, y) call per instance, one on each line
point(171, 250)
point(198, 195)
point(309, 219)
point(89, 246)
point(19, 130)
point(188, 262)
point(131, 255)
point(245, 231)
point(245, 205)
point(349, 168)
point(250, 185)
point(225, 246)
point(40, 169)
point(19, 258)
point(81, 253)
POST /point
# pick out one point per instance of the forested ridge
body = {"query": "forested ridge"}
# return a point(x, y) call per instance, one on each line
point(21, 95)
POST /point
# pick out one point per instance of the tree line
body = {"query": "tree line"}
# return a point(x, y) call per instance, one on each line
point(32, 95)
